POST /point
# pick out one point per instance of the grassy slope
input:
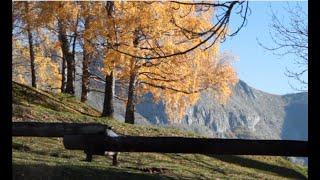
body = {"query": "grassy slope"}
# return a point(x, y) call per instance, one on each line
point(46, 158)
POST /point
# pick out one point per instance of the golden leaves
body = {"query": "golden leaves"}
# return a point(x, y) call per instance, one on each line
point(178, 80)
point(145, 29)
point(48, 76)
point(185, 77)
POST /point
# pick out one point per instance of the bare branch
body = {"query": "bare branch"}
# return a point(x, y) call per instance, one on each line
point(291, 39)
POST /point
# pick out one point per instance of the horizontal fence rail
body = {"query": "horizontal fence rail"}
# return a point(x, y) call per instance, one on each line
point(39, 129)
point(96, 138)
point(195, 145)
point(207, 145)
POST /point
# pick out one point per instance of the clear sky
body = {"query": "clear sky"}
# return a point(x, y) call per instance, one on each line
point(256, 66)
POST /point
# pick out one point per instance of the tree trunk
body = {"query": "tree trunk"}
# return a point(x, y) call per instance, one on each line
point(63, 75)
point(85, 76)
point(73, 68)
point(68, 57)
point(108, 108)
point(31, 49)
point(85, 64)
point(74, 50)
point(129, 117)
point(108, 96)
point(70, 67)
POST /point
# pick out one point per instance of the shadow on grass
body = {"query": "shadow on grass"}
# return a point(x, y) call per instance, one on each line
point(250, 163)
point(198, 169)
point(75, 172)
point(46, 100)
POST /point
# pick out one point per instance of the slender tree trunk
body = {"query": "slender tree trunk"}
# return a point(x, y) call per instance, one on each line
point(85, 76)
point(85, 65)
point(74, 50)
point(108, 96)
point(70, 66)
point(68, 57)
point(129, 117)
point(74, 66)
point(108, 108)
point(63, 75)
point(31, 49)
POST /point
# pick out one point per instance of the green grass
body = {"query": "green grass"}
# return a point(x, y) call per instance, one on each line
point(46, 158)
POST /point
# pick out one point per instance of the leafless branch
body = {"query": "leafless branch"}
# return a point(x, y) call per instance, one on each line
point(291, 39)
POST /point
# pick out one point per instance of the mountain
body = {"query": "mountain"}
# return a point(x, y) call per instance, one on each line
point(249, 114)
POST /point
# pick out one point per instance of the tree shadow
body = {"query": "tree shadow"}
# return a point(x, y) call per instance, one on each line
point(75, 172)
point(198, 163)
point(250, 163)
point(44, 99)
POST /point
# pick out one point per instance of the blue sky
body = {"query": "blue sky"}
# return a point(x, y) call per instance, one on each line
point(257, 66)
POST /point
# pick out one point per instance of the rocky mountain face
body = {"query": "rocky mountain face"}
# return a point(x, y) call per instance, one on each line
point(250, 114)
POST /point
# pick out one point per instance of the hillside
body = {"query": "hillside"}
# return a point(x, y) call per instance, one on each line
point(45, 158)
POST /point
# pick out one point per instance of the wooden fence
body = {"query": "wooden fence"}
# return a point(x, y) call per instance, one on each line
point(95, 139)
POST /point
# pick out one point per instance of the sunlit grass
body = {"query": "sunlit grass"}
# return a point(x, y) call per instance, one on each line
point(46, 158)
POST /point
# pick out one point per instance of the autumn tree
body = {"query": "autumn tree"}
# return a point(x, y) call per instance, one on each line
point(90, 25)
point(160, 47)
point(180, 85)
point(46, 69)
point(116, 36)
point(111, 35)
point(142, 31)
point(23, 16)
point(178, 82)
point(31, 49)
point(62, 18)
point(68, 48)
point(210, 35)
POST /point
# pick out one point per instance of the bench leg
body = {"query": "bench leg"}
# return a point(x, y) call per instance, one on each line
point(115, 159)
point(88, 157)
